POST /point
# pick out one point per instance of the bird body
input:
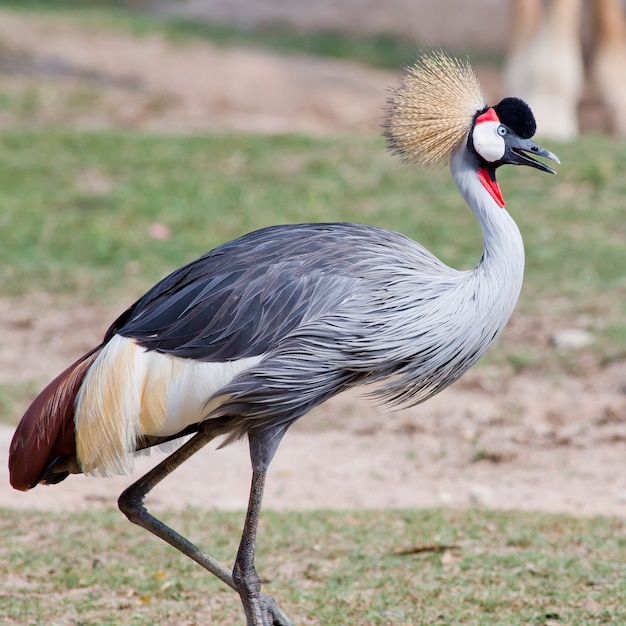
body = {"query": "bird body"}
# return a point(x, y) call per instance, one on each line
point(251, 336)
point(272, 324)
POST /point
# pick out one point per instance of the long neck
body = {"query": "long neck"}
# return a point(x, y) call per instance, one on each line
point(501, 268)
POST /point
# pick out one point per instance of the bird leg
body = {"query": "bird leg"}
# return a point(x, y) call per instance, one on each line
point(245, 577)
point(131, 504)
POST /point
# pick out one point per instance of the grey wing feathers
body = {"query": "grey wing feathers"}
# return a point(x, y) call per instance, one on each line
point(240, 299)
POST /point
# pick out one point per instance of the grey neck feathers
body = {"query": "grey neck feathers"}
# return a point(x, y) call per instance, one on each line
point(466, 310)
point(501, 267)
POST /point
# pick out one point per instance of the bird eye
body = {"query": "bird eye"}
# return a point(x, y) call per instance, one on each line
point(501, 130)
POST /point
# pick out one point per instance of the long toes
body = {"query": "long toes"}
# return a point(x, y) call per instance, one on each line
point(272, 613)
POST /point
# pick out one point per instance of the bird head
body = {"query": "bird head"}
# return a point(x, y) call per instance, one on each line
point(500, 135)
point(438, 106)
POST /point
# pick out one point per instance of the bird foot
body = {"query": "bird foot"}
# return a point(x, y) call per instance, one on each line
point(272, 613)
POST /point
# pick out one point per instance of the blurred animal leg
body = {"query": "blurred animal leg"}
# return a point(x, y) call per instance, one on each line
point(545, 65)
point(608, 66)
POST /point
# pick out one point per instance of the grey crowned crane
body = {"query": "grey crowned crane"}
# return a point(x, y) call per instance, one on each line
point(248, 338)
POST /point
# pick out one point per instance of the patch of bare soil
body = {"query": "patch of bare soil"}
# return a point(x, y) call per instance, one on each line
point(150, 84)
point(491, 440)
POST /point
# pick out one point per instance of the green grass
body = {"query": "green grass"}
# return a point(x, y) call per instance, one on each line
point(352, 568)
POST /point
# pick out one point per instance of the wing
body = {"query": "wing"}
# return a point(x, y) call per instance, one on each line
point(242, 298)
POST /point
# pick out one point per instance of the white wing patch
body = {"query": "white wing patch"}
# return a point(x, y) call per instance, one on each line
point(129, 392)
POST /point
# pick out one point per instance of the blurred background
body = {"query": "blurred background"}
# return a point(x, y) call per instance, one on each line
point(138, 134)
point(567, 57)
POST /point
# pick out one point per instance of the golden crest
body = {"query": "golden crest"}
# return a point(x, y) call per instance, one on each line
point(431, 110)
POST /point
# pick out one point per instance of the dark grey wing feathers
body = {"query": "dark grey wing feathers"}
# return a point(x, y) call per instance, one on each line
point(242, 298)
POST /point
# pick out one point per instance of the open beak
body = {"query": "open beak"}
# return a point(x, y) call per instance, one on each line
point(518, 152)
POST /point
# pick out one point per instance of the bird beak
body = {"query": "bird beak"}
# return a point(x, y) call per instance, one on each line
point(517, 149)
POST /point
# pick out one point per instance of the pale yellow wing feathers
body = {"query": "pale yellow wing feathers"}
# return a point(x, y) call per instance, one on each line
point(130, 392)
point(101, 443)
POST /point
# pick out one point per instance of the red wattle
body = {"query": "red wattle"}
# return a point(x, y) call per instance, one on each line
point(491, 186)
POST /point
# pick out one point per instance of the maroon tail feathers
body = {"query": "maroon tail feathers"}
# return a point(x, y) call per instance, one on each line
point(46, 432)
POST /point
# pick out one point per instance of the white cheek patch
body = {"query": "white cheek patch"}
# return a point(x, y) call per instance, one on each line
point(487, 142)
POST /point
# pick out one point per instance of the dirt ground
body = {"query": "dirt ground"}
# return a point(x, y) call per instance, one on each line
point(491, 440)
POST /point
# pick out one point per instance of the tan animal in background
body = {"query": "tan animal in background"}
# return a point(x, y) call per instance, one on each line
point(545, 61)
